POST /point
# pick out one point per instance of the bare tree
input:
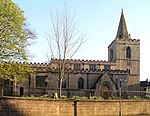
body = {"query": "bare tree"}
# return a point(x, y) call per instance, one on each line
point(64, 40)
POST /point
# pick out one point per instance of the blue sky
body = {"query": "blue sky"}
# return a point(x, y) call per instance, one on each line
point(99, 19)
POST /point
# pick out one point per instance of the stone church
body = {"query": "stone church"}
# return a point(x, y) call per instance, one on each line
point(98, 77)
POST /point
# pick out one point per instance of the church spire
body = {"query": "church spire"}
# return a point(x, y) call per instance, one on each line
point(122, 28)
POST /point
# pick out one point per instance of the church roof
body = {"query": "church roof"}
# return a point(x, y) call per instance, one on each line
point(122, 28)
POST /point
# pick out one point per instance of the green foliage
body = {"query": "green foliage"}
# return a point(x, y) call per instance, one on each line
point(44, 96)
point(114, 98)
point(86, 98)
point(37, 96)
point(96, 98)
point(134, 98)
point(147, 97)
point(74, 98)
point(93, 97)
point(63, 97)
point(32, 96)
point(100, 98)
point(14, 37)
point(10, 70)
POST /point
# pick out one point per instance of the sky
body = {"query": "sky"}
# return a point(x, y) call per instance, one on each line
point(99, 19)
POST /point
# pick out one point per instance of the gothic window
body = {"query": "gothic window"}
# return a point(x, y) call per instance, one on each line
point(6, 82)
point(64, 84)
point(77, 66)
point(111, 54)
point(128, 52)
point(128, 70)
point(40, 81)
point(92, 66)
point(80, 83)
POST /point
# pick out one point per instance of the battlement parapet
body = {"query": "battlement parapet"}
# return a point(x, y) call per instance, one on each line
point(38, 64)
point(74, 61)
point(45, 67)
point(119, 71)
point(87, 71)
point(39, 67)
point(128, 39)
point(125, 40)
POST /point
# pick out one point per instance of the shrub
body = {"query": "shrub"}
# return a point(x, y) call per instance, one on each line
point(134, 97)
point(45, 96)
point(63, 97)
point(93, 97)
point(74, 98)
point(100, 98)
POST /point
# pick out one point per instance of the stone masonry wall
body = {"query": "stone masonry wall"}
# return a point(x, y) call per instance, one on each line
point(46, 107)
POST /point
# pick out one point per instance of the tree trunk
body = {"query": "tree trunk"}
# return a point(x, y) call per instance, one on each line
point(60, 88)
point(1, 88)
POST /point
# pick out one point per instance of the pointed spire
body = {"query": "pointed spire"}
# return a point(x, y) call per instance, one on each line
point(122, 28)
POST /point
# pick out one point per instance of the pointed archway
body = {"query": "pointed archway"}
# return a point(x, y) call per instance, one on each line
point(105, 90)
point(105, 86)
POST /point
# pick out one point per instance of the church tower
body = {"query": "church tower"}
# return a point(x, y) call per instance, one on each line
point(125, 52)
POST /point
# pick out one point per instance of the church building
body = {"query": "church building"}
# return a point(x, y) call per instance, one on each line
point(100, 78)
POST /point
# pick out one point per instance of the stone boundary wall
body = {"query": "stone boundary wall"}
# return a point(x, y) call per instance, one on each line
point(47, 107)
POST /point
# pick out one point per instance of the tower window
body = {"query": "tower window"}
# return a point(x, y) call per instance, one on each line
point(120, 36)
point(128, 52)
point(81, 83)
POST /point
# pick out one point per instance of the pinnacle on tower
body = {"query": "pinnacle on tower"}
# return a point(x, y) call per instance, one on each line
point(122, 28)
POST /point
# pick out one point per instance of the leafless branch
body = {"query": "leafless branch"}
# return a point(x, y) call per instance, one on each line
point(64, 39)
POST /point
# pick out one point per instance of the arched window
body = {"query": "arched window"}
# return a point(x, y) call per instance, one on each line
point(111, 54)
point(80, 83)
point(128, 52)
point(64, 84)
